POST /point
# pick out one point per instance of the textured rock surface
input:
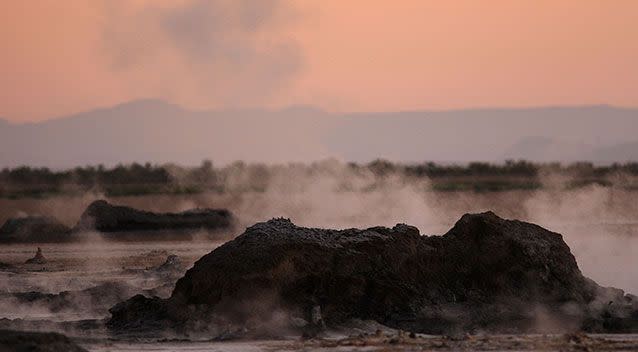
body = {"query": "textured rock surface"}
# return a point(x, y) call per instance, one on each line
point(36, 342)
point(486, 273)
point(33, 229)
point(104, 217)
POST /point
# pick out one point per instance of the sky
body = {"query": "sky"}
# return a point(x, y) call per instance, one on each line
point(62, 57)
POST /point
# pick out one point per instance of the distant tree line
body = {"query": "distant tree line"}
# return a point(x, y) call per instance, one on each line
point(146, 178)
point(89, 175)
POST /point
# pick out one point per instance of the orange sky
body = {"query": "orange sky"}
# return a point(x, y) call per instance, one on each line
point(59, 57)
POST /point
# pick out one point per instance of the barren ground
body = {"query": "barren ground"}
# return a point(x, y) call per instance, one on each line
point(600, 226)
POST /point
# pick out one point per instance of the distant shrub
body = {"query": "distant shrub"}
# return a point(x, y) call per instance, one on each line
point(139, 179)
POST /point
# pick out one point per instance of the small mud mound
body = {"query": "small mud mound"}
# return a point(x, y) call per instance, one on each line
point(36, 342)
point(38, 258)
point(106, 218)
point(485, 274)
point(34, 229)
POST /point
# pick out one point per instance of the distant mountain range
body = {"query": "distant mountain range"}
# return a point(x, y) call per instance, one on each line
point(156, 131)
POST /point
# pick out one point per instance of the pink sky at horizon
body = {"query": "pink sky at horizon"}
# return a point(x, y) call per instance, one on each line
point(63, 57)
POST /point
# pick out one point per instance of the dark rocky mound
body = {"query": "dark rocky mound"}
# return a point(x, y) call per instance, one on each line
point(485, 274)
point(121, 221)
point(33, 229)
point(19, 341)
point(38, 258)
point(5, 266)
point(103, 217)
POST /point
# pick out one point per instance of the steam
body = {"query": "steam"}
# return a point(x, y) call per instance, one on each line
point(331, 194)
point(600, 224)
point(221, 52)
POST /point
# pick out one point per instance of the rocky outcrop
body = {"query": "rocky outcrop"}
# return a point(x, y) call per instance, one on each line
point(34, 229)
point(36, 342)
point(118, 222)
point(103, 217)
point(486, 273)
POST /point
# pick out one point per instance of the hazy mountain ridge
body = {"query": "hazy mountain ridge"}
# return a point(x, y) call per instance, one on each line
point(157, 131)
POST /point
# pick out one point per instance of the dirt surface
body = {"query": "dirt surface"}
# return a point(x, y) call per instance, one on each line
point(394, 342)
point(403, 341)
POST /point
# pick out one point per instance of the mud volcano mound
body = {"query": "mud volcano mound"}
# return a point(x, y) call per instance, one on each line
point(32, 229)
point(38, 258)
point(106, 218)
point(486, 274)
point(36, 342)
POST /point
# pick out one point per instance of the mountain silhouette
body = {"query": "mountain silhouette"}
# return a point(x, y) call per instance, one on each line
point(157, 131)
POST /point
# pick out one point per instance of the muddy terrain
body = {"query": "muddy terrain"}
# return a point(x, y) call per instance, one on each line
point(309, 307)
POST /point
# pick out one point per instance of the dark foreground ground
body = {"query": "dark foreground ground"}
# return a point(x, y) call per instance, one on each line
point(389, 342)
